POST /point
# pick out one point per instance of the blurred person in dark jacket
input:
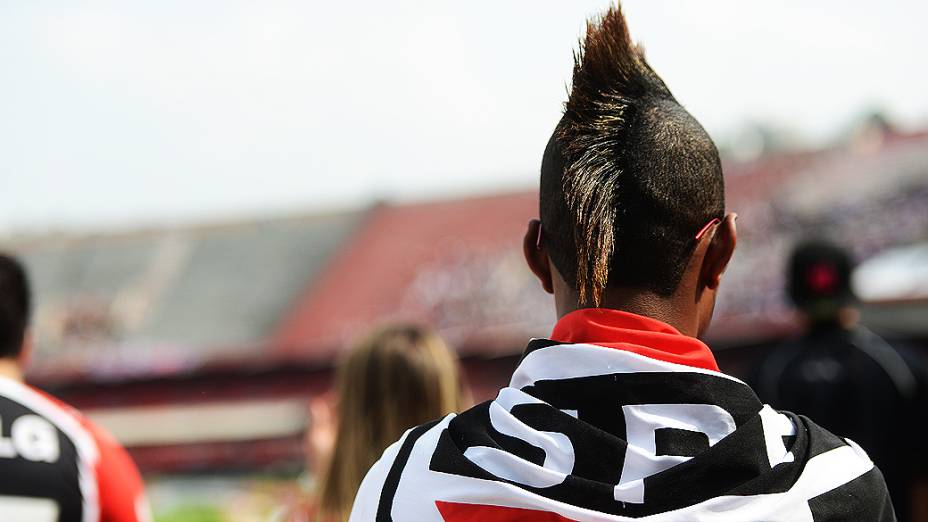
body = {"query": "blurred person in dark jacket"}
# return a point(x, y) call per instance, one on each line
point(847, 378)
point(55, 464)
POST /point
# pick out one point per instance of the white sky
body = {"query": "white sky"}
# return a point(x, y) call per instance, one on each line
point(126, 113)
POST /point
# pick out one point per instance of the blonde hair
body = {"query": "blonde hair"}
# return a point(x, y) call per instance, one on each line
point(400, 376)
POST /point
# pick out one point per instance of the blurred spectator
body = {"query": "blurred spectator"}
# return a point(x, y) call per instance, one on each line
point(55, 464)
point(320, 436)
point(397, 378)
point(846, 377)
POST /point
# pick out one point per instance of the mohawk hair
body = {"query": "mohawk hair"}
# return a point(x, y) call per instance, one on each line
point(628, 176)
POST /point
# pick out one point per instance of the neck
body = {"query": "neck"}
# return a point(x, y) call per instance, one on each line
point(10, 369)
point(670, 310)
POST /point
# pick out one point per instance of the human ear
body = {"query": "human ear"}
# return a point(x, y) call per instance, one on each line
point(25, 351)
point(536, 255)
point(719, 251)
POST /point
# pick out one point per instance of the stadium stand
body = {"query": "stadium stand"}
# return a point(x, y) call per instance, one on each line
point(193, 329)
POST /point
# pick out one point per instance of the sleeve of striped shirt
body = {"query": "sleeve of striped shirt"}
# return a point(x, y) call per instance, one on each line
point(121, 491)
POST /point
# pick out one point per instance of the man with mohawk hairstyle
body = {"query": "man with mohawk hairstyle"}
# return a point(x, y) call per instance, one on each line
point(623, 414)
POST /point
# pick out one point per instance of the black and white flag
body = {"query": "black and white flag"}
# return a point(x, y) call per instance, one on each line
point(591, 433)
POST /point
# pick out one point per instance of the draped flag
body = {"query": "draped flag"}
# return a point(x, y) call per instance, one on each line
point(592, 433)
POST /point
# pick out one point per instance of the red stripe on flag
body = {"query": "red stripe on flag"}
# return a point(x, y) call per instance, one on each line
point(457, 512)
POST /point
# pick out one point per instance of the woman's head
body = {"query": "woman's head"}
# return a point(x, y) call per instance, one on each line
point(398, 377)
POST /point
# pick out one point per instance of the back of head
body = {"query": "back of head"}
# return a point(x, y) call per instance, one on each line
point(397, 378)
point(628, 177)
point(14, 306)
point(819, 279)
